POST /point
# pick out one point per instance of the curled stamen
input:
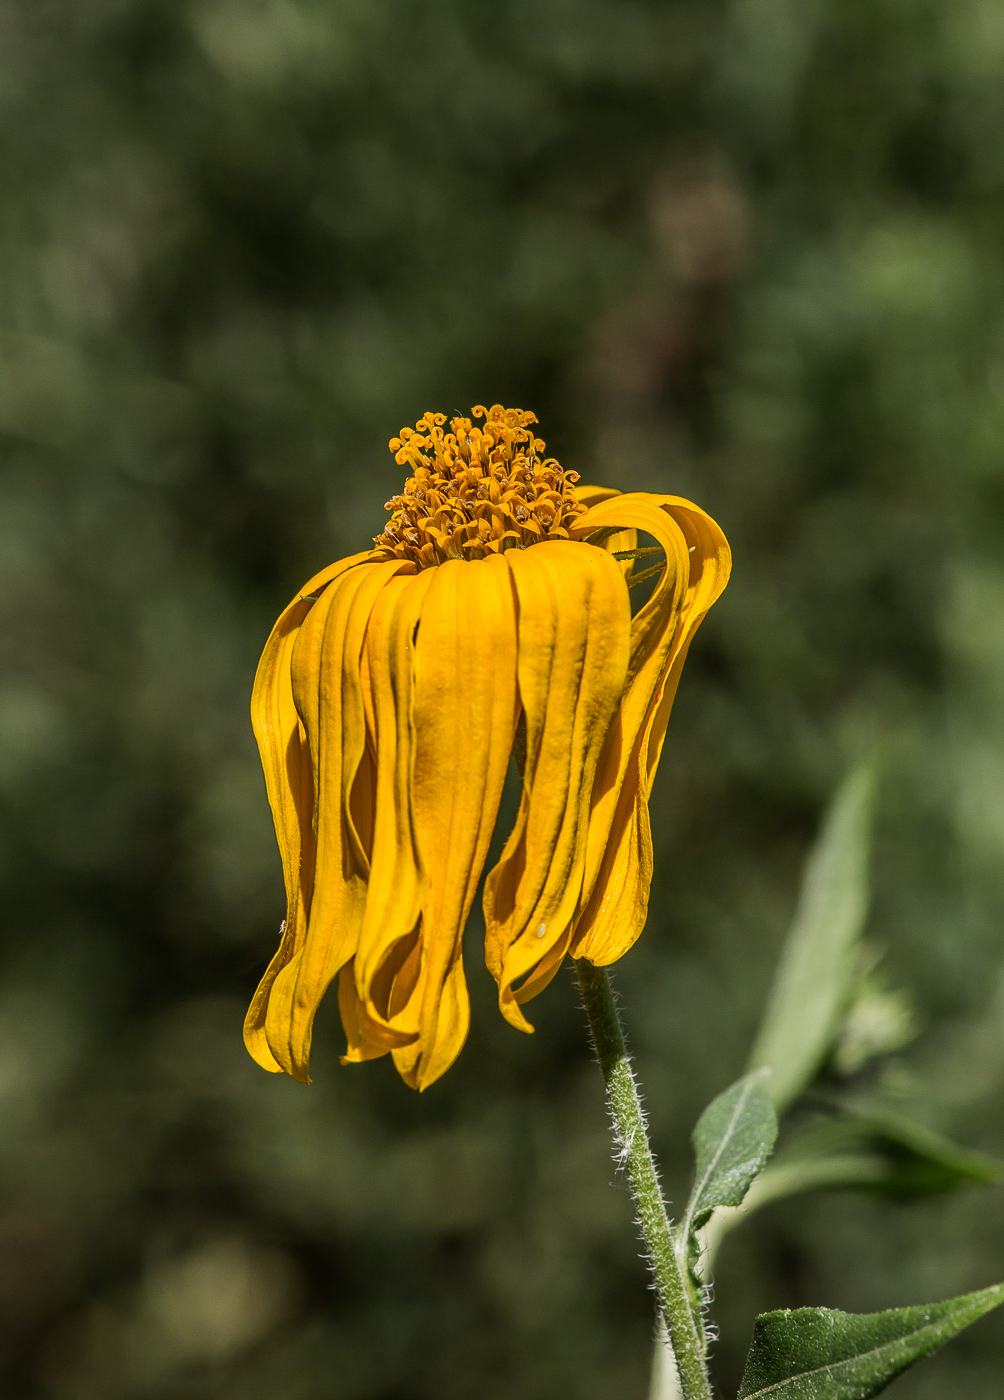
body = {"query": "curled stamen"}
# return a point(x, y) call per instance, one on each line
point(457, 475)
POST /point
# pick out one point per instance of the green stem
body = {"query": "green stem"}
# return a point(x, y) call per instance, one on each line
point(636, 1155)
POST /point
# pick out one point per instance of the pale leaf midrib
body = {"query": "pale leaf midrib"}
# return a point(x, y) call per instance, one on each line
point(698, 1190)
point(832, 1367)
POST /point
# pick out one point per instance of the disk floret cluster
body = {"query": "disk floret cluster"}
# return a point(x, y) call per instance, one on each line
point(476, 490)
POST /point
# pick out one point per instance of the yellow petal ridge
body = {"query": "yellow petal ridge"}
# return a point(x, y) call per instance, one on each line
point(286, 765)
point(619, 861)
point(573, 650)
point(387, 959)
point(327, 691)
point(465, 714)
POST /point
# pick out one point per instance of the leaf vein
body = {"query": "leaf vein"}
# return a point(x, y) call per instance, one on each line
point(832, 1367)
point(698, 1190)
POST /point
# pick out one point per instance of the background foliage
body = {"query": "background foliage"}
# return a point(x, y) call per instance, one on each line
point(747, 251)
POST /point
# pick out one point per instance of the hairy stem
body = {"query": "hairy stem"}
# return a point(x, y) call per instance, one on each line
point(634, 1152)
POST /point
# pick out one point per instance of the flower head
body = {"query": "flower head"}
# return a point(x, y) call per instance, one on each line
point(386, 704)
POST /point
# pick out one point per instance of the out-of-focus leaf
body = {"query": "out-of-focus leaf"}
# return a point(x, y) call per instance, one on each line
point(897, 1158)
point(877, 1152)
point(819, 1354)
point(879, 1021)
point(817, 965)
point(733, 1138)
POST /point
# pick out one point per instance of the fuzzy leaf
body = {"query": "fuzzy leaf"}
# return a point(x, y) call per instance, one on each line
point(733, 1138)
point(819, 1354)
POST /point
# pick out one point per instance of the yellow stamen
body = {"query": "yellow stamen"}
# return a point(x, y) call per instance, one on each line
point(476, 491)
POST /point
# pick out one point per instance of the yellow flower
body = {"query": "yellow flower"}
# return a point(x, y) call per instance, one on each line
point(386, 705)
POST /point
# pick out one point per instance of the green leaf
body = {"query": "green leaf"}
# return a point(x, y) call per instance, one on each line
point(898, 1159)
point(819, 1354)
point(733, 1138)
point(874, 1152)
point(818, 963)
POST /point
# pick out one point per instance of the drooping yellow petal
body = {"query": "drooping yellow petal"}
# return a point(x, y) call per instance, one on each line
point(618, 541)
point(327, 692)
point(619, 860)
point(710, 567)
point(364, 1042)
point(286, 764)
point(465, 707)
point(573, 648)
point(388, 956)
point(440, 1041)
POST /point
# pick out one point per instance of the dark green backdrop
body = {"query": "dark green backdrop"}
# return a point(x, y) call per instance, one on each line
point(748, 252)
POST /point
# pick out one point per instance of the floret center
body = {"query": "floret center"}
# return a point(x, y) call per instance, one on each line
point(476, 490)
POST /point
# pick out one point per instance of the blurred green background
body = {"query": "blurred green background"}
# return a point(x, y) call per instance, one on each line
point(746, 251)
